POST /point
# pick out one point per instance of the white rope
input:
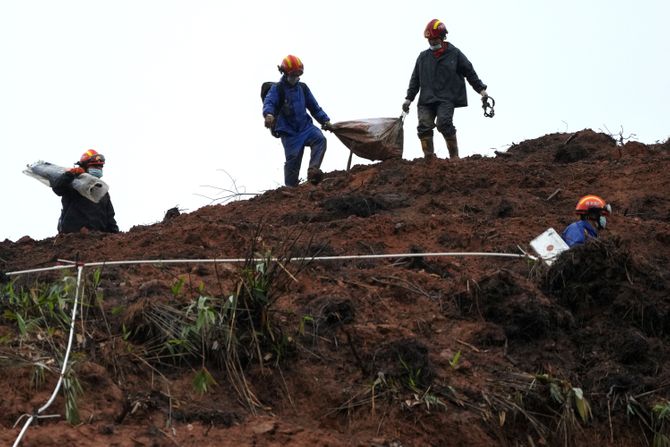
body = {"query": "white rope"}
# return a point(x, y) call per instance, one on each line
point(63, 369)
point(43, 269)
point(304, 258)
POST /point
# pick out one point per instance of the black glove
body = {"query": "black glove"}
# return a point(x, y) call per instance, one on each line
point(405, 105)
point(3, 278)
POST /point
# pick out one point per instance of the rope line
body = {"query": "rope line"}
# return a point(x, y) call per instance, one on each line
point(72, 264)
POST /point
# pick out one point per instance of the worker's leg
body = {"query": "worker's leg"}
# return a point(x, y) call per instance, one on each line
point(317, 143)
point(426, 114)
point(445, 125)
point(452, 145)
point(293, 150)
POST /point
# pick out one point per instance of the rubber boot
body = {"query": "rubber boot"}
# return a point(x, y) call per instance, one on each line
point(452, 146)
point(427, 148)
point(314, 176)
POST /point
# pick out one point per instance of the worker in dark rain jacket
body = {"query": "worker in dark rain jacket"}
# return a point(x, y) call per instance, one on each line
point(592, 211)
point(79, 214)
point(285, 111)
point(439, 74)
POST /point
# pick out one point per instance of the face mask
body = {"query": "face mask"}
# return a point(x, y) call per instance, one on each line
point(95, 172)
point(435, 47)
point(602, 222)
point(292, 79)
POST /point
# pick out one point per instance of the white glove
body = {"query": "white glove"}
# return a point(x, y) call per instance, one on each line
point(484, 94)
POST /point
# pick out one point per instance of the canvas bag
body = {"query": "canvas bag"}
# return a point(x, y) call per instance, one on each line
point(374, 138)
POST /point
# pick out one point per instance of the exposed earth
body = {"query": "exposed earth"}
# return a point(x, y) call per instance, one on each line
point(397, 351)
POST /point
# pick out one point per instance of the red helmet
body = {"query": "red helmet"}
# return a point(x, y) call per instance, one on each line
point(291, 65)
point(593, 204)
point(91, 158)
point(435, 30)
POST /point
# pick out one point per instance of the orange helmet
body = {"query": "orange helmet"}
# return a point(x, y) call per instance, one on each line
point(593, 205)
point(291, 65)
point(435, 30)
point(91, 158)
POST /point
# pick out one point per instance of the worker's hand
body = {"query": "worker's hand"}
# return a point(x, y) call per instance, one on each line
point(405, 105)
point(484, 94)
point(3, 278)
point(327, 126)
point(76, 171)
point(269, 120)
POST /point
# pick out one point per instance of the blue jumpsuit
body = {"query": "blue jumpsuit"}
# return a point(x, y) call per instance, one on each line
point(296, 127)
point(579, 232)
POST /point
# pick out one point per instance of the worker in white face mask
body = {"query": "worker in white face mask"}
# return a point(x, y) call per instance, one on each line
point(80, 214)
point(593, 212)
point(285, 107)
point(439, 74)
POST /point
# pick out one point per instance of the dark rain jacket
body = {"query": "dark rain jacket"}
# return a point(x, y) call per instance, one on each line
point(441, 79)
point(79, 212)
point(292, 117)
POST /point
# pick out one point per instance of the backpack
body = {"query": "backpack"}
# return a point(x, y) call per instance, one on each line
point(265, 88)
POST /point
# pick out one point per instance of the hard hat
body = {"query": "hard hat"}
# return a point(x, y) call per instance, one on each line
point(435, 30)
point(593, 205)
point(291, 65)
point(91, 158)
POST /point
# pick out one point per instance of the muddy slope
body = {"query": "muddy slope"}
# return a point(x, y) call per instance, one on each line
point(400, 351)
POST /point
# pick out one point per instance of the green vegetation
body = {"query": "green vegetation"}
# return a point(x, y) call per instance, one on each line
point(661, 424)
point(568, 397)
point(39, 310)
point(40, 314)
point(656, 419)
point(72, 391)
point(454, 361)
point(203, 381)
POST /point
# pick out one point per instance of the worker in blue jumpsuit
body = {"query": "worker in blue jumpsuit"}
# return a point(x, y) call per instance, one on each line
point(285, 111)
point(592, 211)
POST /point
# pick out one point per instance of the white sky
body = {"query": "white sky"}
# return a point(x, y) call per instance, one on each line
point(169, 90)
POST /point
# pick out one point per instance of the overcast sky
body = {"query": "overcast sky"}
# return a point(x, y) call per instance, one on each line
point(169, 90)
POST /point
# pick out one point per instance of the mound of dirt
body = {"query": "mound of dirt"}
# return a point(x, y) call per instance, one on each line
point(314, 339)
